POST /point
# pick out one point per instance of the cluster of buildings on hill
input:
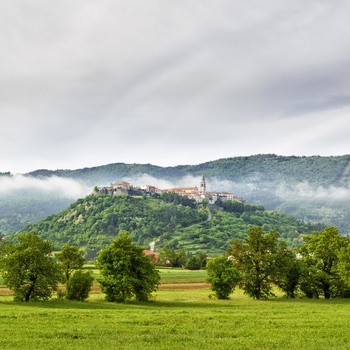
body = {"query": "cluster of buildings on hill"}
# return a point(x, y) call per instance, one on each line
point(122, 187)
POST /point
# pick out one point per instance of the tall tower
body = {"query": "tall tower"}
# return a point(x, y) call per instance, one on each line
point(203, 187)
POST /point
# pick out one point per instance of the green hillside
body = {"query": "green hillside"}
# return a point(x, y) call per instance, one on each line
point(92, 223)
point(313, 189)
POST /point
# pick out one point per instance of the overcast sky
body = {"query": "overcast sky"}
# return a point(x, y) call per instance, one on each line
point(91, 82)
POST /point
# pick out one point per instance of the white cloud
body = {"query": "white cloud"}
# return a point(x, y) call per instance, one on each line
point(53, 185)
point(145, 179)
point(213, 184)
point(304, 191)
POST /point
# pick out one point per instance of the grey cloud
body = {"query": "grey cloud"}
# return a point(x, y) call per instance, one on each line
point(331, 102)
point(85, 83)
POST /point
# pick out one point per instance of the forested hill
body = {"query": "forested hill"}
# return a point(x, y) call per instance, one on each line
point(313, 189)
point(92, 223)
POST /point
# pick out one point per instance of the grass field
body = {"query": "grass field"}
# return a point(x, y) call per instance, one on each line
point(180, 317)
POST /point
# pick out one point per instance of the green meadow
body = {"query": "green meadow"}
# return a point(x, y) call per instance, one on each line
point(181, 316)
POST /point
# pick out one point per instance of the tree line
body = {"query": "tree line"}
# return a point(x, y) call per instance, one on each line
point(320, 267)
point(33, 272)
point(257, 263)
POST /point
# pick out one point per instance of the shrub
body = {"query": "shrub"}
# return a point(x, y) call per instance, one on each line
point(79, 285)
point(222, 276)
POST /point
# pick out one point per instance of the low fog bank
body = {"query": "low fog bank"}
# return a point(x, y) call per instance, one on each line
point(26, 200)
point(54, 186)
point(303, 191)
point(327, 205)
point(36, 197)
point(213, 184)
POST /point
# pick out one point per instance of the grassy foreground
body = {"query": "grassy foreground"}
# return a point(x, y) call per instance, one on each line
point(181, 317)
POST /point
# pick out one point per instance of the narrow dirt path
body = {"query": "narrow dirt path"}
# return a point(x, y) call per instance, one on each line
point(209, 215)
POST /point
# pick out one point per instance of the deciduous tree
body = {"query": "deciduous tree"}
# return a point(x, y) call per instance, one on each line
point(29, 269)
point(259, 257)
point(289, 275)
point(70, 258)
point(78, 283)
point(197, 261)
point(322, 252)
point(173, 257)
point(222, 276)
point(126, 272)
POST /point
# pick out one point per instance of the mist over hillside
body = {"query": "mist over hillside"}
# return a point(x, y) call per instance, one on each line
point(313, 189)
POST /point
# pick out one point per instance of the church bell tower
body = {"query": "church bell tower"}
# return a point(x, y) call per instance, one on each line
point(203, 187)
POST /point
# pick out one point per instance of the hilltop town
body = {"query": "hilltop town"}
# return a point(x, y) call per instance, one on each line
point(198, 194)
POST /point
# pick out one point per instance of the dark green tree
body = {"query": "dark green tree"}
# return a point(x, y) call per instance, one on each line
point(344, 263)
point(126, 272)
point(79, 285)
point(309, 284)
point(197, 261)
point(232, 206)
point(70, 258)
point(29, 269)
point(322, 252)
point(259, 259)
point(222, 276)
point(173, 257)
point(289, 275)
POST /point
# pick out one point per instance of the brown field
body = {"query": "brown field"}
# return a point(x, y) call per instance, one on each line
point(166, 284)
point(183, 280)
point(184, 286)
point(4, 290)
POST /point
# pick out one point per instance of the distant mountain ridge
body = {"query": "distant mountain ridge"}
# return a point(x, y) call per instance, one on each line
point(316, 169)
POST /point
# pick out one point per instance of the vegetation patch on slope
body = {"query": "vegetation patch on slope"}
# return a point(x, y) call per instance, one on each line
point(92, 223)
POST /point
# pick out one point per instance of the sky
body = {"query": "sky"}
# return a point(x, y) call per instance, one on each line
point(91, 82)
